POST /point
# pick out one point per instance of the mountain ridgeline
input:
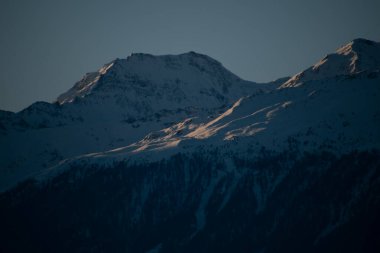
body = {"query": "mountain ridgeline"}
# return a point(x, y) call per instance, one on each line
point(175, 153)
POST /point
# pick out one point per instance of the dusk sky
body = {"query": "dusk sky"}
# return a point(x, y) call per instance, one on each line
point(48, 45)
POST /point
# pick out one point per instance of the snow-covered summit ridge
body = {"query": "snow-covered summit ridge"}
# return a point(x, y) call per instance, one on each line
point(144, 86)
point(140, 70)
point(357, 56)
point(85, 85)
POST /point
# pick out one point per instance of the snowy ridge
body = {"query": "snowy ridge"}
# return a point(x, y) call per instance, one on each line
point(357, 56)
point(189, 80)
point(84, 86)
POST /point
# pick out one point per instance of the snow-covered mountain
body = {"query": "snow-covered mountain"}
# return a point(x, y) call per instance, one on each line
point(333, 105)
point(116, 106)
point(177, 154)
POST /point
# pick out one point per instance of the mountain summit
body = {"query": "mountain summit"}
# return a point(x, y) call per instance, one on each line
point(357, 56)
point(146, 84)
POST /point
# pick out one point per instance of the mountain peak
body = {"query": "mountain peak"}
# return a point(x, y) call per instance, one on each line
point(184, 58)
point(140, 70)
point(143, 85)
point(356, 56)
point(358, 46)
